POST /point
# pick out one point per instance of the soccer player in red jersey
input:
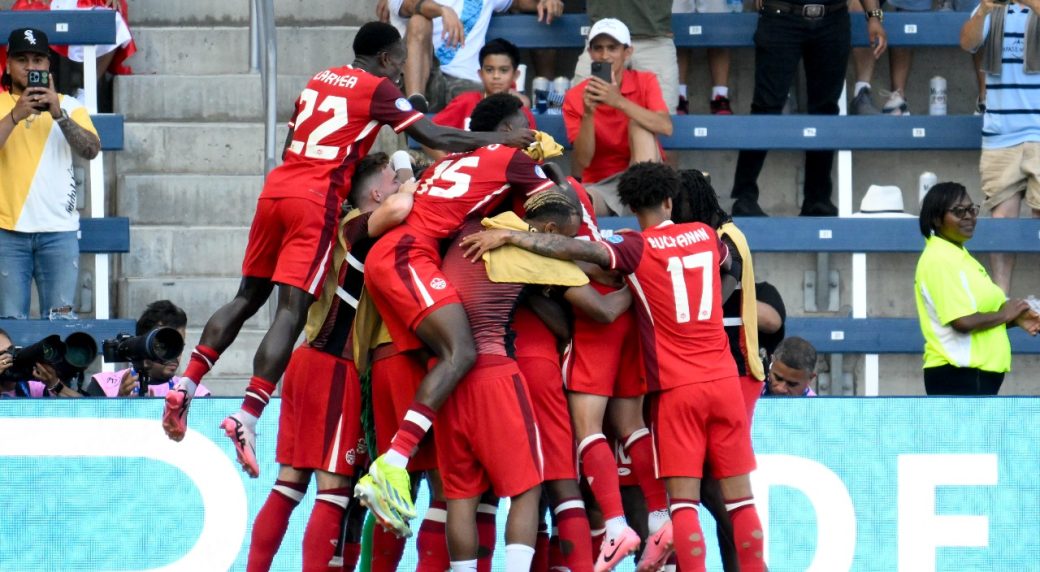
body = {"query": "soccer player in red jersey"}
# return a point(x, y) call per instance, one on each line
point(337, 118)
point(697, 411)
point(320, 425)
point(416, 300)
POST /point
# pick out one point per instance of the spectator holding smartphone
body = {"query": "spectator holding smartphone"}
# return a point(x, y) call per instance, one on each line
point(39, 132)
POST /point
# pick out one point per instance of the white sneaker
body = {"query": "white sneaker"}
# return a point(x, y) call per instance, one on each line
point(895, 105)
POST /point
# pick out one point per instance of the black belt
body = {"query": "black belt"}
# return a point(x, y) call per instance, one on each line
point(807, 11)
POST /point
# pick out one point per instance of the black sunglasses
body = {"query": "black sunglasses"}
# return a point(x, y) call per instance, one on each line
point(962, 212)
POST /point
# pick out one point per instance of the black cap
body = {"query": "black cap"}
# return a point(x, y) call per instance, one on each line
point(27, 40)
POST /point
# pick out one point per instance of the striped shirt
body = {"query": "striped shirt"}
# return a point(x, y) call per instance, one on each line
point(1013, 97)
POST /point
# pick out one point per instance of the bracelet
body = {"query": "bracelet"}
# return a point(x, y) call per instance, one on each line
point(12, 118)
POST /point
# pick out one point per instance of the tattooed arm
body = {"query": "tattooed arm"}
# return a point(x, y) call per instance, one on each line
point(551, 245)
point(83, 142)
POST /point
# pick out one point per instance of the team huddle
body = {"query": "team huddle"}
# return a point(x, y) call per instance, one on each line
point(511, 346)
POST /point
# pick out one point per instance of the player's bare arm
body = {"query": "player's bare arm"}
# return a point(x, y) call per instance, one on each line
point(552, 315)
point(435, 136)
point(393, 210)
point(551, 245)
point(603, 308)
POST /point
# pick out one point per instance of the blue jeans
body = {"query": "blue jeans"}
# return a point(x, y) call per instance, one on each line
point(52, 259)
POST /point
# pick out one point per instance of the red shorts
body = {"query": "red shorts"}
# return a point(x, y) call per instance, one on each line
point(545, 385)
point(486, 433)
point(395, 379)
point(320, 424)
point(701, 421)
point(406, 284)
point(752, 390)
point(604, 359)
point(290, 242)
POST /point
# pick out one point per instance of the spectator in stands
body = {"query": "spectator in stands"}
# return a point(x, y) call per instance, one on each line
point(649, 23)
point(792, 369)
point(1010, 167)
point(964, 315)
point(45, 382)
point(444, 40)
point(126, 382)
point(498, 74)
point(613, 124)
point(820, 35)
point(718, 60)
point(39, 132)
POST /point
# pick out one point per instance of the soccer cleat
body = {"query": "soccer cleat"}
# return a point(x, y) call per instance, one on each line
point(658, 549)
point(720, 105)
point(388, 518)
point(895, 105)
point(862, 104)
point(175, 411)
point(245, 444)
point(614, 550)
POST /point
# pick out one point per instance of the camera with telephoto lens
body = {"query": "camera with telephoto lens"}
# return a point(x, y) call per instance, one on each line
point(69, 358)
point(160, 344)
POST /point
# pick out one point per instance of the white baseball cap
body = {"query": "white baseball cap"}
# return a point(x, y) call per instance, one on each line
point(612, 27)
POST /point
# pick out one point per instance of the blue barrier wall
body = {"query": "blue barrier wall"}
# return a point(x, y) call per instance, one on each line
point(909, 484)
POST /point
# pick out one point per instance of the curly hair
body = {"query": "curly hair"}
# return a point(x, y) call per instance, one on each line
point(493, 110)
point(697, 201)
point(647, 185)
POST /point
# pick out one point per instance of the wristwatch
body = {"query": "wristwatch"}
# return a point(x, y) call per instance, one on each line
point(65, 115)
point(57, 388)
point(869, 14)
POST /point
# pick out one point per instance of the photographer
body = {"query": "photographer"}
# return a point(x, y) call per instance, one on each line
point(39, 132)
point(126, 382)
point(45, 384)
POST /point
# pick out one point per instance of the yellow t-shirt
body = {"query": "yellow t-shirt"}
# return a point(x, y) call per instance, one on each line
point(950, 284)
point(37, 189)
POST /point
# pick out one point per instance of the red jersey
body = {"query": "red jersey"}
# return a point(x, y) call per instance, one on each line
point(612, 152)
point(456, 114)
point(674, 276)
point(335, 123)
point(471, 184)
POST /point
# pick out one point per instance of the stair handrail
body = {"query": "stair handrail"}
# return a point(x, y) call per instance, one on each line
point(263, 55)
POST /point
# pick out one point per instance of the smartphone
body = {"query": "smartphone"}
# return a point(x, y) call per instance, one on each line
point(602, 71)
point(39, 78)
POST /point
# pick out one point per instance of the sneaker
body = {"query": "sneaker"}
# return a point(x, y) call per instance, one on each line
point(684, 106)
point(895, 105)
point(614, 550)
point(390, 486)
point(826, 208)
point(720, 106)
point(244, 439)
point(175, 411)
point(980, 107)
point(388, 518)
point(862, 104)
point(658, 549)
point(744, 207)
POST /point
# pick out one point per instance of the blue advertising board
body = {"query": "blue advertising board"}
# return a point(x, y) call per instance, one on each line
point(878, 484)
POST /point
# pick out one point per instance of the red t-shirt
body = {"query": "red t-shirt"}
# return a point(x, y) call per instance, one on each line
point(612, 153)
point(456, 113)
point(674, 276)
point(471, 184)
point(336, 121)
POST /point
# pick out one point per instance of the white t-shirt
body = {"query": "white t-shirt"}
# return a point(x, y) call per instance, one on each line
point(475, 15)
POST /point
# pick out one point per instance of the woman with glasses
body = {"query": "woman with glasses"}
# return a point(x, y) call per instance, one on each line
point(964, 315)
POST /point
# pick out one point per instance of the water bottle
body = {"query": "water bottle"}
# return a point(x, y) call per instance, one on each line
point(927, 181)
point(540, 88)
point(735, 6)
point(937, 96)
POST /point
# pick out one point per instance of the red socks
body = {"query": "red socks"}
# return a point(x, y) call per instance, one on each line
point(689, 539)
point(387, 550)
point(747, 534)
point(416, 423)
point(322, 533)
point(599, 467)
point(432, 542)
point(271, 522)
point(575, 537)
point(258, 395)
point(540, 562)
point(351, 555)
point(485, 535)
point(201, 361)
point(641, 451)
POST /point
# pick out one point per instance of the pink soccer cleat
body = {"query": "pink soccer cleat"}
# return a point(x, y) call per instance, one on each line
point(175, 413)
point(244, 439)
point(659, 548)
point(614, 550)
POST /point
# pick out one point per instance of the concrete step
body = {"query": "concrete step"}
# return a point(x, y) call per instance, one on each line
point(207, 12)
point(175, 251)
point(199, 297)
point(188, 199)
point(225, 50)
point(235, 364)
point(209, 148)
point(229, 97)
